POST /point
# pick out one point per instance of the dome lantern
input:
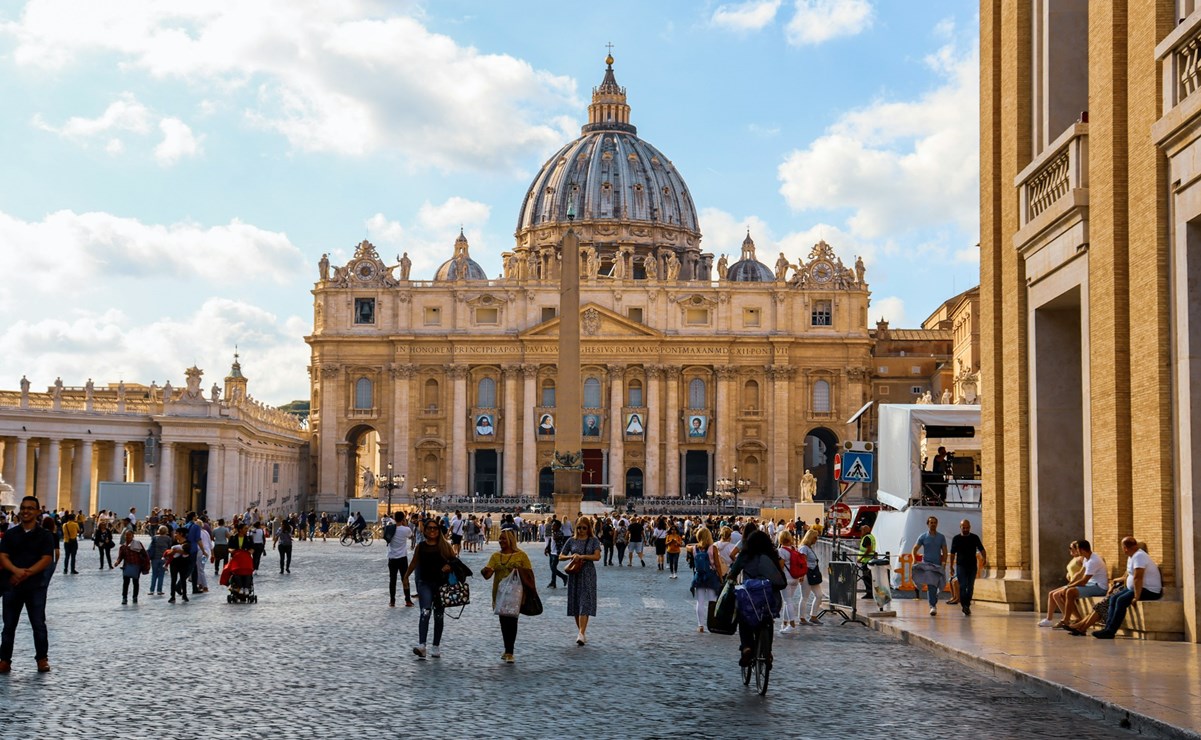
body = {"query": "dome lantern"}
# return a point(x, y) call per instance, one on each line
point(609, 110)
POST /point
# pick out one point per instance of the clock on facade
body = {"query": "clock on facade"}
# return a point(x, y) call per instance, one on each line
point(823, 271)
point(365, 270)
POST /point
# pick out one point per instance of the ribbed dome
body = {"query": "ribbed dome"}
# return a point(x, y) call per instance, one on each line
point(748, 269)
point(461, 263)
point(609, 173)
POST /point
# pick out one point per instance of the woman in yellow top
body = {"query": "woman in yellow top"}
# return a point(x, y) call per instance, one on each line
point(501, 564)
point(675, 543)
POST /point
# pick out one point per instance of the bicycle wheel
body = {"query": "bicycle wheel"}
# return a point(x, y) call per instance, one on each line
point(366, 542)
point(347, 539)
point(763, 658)
point(746, 674)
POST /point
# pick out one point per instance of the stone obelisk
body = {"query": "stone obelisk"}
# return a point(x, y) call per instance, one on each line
point(568, 464)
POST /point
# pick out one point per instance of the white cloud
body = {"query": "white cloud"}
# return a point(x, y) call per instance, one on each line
point(429, 239)
point(752, 15)
point(320, 76)
point(891, 309)
point(178, 142)
point(125, 114)
point(818, 21)
point(898, 166)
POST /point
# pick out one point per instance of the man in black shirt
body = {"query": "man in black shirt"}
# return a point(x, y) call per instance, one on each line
point(964, 547)
point(25, 551)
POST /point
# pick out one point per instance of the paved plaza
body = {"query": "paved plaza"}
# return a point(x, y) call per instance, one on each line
point(321, 654)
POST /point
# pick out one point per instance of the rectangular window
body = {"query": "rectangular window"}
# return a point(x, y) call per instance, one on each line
point(696, 316)
point(634, 314)
point(548, 395)
point(884, 390)
point(487, 315)
point(822, 314)
point(364, 310)
point(635, 396)
point(750, 317)
point(549, 312)
point(916, 390)
point(882, 370)
point(275, 473)
point(915, 369)
point(433, 316)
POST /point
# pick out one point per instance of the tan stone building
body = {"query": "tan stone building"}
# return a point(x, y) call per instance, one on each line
point(692, 368)
point(220, 450)
point(1088, 295)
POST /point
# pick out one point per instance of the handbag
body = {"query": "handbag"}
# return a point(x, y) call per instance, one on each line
point(721, 617)
point(575, 566)
point(814, 575)
point(508, 596)
point(531, 606)
point(454, 593)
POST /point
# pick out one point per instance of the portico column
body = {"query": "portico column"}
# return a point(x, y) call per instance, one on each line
point(53, 467)
point(781, 376)
point(83, 481)
point(653, 480)
point(617, 455)
point(725, 421)
point(342, 479)
point(21, 465)
point(401, 445)
point(66, 475)
point(672, 485)
point(331, 466)
point(41, 486)
point(508, 485)
point(529, 445)
point(214, 498)
point(231, 481)
point(117, 469)
point(166, 473)
point(458, 430)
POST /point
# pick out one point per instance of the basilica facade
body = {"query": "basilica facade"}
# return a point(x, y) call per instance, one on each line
point(695, 371)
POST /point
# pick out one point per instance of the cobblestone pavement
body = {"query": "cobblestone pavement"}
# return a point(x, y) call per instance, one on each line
point(321, 654)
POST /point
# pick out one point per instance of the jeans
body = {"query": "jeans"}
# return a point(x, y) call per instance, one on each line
point(285, 558)
point(932, 595)
point(621, 553)
point(106, 553)
point(157, 571)
point(673, 561)
point(398, 566)
point(866, 574)
point(508, 632)
point(258, 555)
point(220, 557)
point(69, 551)
point(179, 578)
point(125, 581)
point(1119, 602)
point(425, 598)
point(555, 573)
point(33, 601)
point(609, 553)
point(967, 584)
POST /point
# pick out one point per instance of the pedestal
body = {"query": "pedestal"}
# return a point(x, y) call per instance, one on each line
point(567, 506)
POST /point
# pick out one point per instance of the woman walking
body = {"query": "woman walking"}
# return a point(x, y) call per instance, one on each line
point(282, 541)
point(621, 537)
point(501, 564)
point(555, 539)
point(159, 544)
point(673, 543)
point(181, 565)
point(102, 540)
point(786, 553)
point(811, 593)
point(727, 549)
point(131, 557)
point(431, 563)
point(659, 535)
point(584, 550)
point(706, 578)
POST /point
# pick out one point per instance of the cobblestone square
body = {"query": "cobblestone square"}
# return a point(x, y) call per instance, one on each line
point(322, 654)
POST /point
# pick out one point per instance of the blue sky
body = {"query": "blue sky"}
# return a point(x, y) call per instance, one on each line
point(172, 171)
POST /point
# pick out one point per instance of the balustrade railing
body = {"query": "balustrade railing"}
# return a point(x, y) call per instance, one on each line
point(1060, 169)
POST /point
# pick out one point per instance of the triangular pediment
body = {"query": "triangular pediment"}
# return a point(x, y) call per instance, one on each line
point(595, 322)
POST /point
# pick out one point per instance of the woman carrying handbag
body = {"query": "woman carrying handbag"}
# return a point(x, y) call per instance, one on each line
point(432, 563)
point(510, 560)
point(583, 550)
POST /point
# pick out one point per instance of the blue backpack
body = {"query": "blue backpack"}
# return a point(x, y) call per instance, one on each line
point(757, 602)
point(705, 576)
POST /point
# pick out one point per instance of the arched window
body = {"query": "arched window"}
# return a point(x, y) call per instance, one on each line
point(821, 397)
point(750, 396)
point(430, 397)
point(486, 394)
point(362, 394)
point(751, 468)
point(635, 393)
point(548, 393)
point(696, 394)
point(429, 468)
point(592, 393)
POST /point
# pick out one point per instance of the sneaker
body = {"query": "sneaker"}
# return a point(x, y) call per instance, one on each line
point(1045, 623)
point(785, 629)
point(967, 611)
point(392, 603)
point(511, 659)
point(1103, 635)
point(43, 666)
point(933, 611)
point(6, 666)
point(124, 601)
point(436, 652)
point(506, 658)
point(419, 651)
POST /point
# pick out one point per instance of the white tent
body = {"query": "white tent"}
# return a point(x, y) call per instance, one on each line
point(900, 455)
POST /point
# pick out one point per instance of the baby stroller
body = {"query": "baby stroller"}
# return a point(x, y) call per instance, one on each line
point(238, 574)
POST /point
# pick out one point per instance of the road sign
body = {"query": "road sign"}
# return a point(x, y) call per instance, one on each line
point(838, 466)
point(857, 467)
point(840, 514)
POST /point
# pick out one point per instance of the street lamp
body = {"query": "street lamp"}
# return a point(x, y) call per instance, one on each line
point(732, 487)
point(392, 482)
point(426, 491)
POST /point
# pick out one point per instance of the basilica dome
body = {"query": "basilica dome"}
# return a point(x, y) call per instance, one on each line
point(748, 269)
point(610, 176)
point(461, 266)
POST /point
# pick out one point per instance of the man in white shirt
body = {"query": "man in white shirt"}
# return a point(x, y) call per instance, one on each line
point(1093, 581)
point(1143, 582)
point(202, 559)
point(397, 535)
point(456, 530)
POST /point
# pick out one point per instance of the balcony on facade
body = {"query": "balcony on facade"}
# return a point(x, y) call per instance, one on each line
point(1179, 56)
point(1053, 204)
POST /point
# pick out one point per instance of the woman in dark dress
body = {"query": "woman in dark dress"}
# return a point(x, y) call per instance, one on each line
point(581, 585)
point(181, 565)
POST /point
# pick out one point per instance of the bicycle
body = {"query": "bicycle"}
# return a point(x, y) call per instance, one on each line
point(350, 537)
point(760, 667)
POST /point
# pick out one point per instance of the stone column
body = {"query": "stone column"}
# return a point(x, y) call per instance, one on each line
point(117, 469)
point(53, 467)
point(10, 459)
point(341, 478)
point(672, 455)
point(528, 484)
point(401, 444)
point(458, 431)
point(83, 481)
point(231, 481)
point(726, 421)
point(652, 484)
point(68, 467)
point(781, 377)
point(331, 465)
point(214, 491)
point(617, 456)
point(166, 474)
point(41, 484)
point(508, 486)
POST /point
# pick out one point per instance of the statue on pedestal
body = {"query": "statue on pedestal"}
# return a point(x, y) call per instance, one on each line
point(723, 267)
point(808, 487)
point(406, 266)
point(323, 266)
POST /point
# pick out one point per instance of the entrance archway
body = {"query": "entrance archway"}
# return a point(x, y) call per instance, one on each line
point(546, 483)
point(362, 462)
point(634, 479)
point(485, 473)
point(696, 473)
point(821, 444)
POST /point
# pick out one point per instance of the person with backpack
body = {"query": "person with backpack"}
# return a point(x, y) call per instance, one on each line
point(795, 568)
point(134, 561)
point(621, 537)
point(606, 538)
point(397, 534)
point(706, 576)
point(758, 561)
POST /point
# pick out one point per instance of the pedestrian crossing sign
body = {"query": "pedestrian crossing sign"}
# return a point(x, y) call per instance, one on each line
point(857, 467)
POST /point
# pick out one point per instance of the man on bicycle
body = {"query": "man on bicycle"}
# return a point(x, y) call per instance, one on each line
point(758, 559)
point(358, 526)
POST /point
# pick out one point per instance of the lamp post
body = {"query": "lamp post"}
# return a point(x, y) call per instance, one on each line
point(392, 482)
point(426, 491)
point(732, 487)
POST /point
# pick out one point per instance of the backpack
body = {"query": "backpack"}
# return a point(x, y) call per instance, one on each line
point(798, 566)
point(757, 602)
point(389, 533)
point(622, 535)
